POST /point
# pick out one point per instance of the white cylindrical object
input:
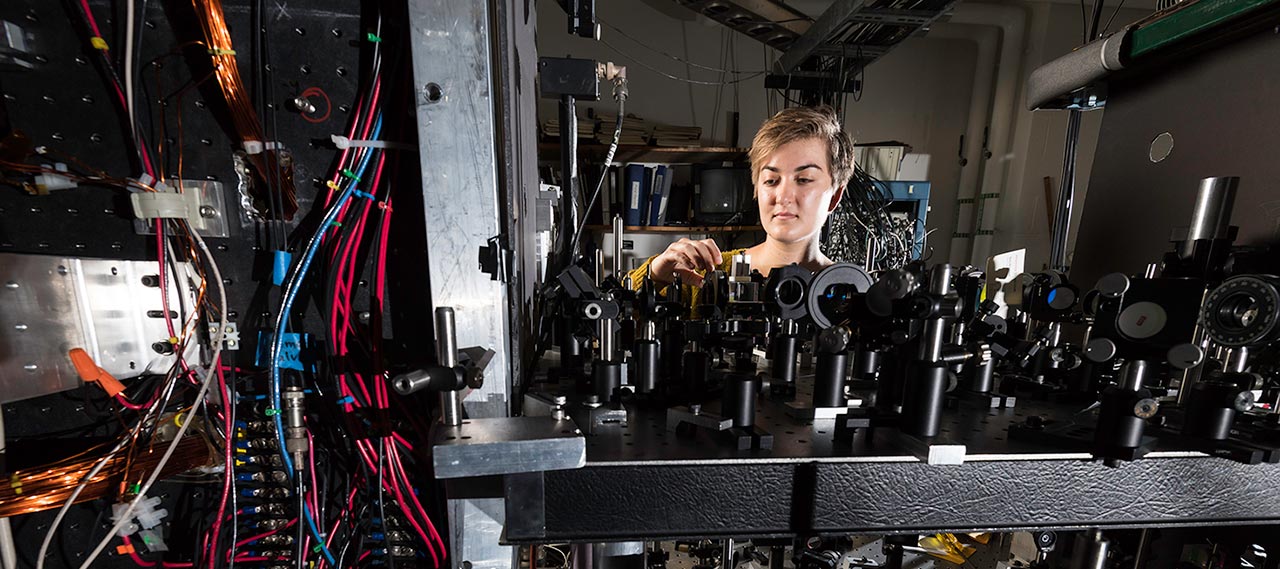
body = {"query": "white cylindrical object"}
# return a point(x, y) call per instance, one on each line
point(1214, 202)
point(447, 356)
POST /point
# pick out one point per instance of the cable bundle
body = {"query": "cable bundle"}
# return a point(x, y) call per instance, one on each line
point(272, 171)
point(356, 490)
point(862, 227)
point(354, 501)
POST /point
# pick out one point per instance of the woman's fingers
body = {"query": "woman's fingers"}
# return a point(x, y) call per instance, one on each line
point(689, 276)
point(705, 251)
point(688, 260)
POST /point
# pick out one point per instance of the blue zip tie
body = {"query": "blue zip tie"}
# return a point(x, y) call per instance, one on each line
point(346, 400)
point(280, 262)
point(363, 194)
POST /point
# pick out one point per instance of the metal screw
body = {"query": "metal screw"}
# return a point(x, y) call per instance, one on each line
point(304, 105)
point(208, 211)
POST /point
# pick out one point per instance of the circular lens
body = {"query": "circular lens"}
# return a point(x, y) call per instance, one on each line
point(791, 292)
point(1243, 311)
point(1061, 298)
point(1239, 310)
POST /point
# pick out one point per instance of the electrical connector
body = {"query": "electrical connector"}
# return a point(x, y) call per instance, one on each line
point(145, 515)
point(42, 184)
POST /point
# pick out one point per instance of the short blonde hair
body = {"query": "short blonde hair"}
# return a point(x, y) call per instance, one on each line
point(800, 123)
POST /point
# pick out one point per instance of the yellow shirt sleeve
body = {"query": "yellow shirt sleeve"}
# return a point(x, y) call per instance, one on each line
point(690, 292)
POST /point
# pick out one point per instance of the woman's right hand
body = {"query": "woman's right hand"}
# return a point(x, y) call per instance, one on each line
point(685, 258)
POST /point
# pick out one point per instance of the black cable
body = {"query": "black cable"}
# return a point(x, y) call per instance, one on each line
point(715, 112)
point(613, 147)
point(670, 76)
point(1112, 18)
point(1097, 19)
point(382, 504)
point(646, 45)
point(109, 69)
point(1084, 23)
point(788, 99)
point(267, 105)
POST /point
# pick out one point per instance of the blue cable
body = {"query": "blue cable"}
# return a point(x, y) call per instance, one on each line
point(286, 306)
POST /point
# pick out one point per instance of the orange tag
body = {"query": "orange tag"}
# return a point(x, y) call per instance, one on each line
point(124, 549)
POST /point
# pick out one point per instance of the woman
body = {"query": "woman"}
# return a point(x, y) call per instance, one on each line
point(801, 160)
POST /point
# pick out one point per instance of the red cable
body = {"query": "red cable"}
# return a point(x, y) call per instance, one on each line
point(124, 102)
point(228, 468)
point(351, 505)
point(417, 504)
point(138, 560)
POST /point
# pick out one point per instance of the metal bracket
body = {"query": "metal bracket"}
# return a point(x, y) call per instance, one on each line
point(507, 445)
point(496, 260)
point(201, 203)
point(475, 359)
point(16, 53)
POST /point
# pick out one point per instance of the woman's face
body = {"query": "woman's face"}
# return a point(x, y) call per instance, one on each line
point(795, 191)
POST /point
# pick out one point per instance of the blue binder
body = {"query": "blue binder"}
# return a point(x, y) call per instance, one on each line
point(655, 195)
point(635, 180)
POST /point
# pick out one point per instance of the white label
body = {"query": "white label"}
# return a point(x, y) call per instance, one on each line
point(635, 193)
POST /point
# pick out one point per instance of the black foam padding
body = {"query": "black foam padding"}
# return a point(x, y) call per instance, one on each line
point(1080, 68)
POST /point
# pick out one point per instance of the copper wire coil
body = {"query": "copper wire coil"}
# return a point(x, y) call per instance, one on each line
point(244, 117)
point(42, 488)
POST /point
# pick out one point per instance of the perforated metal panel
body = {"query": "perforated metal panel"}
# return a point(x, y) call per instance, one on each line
point(49, 305)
